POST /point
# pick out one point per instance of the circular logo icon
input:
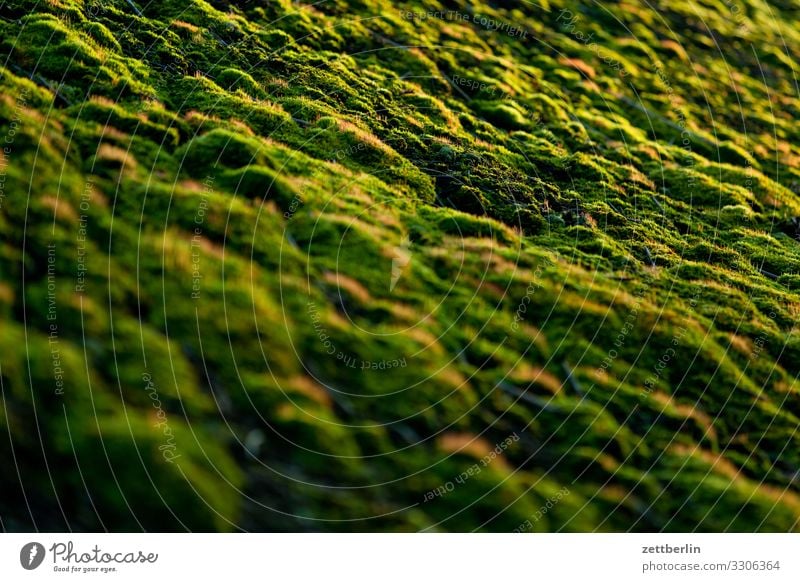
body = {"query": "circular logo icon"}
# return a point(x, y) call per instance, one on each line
point(31, 555)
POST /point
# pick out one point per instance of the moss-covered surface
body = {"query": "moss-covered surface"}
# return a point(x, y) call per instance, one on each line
point(294, 267)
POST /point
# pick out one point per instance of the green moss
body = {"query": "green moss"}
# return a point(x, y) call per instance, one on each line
point(342, 243)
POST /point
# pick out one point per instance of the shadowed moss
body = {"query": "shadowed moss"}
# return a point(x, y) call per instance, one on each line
point(304, 263)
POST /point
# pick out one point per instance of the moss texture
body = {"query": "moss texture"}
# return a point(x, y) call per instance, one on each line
point(292, 267)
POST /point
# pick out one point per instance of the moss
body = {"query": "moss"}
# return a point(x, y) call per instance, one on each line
point(234, 79)
point(502, 114)
point(261, 183)
point(217, 148)
point(337, 240)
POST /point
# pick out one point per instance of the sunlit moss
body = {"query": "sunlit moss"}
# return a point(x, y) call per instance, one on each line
point(332, 235)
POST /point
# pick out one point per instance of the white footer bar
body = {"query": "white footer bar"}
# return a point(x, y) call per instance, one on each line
point(401, 557)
